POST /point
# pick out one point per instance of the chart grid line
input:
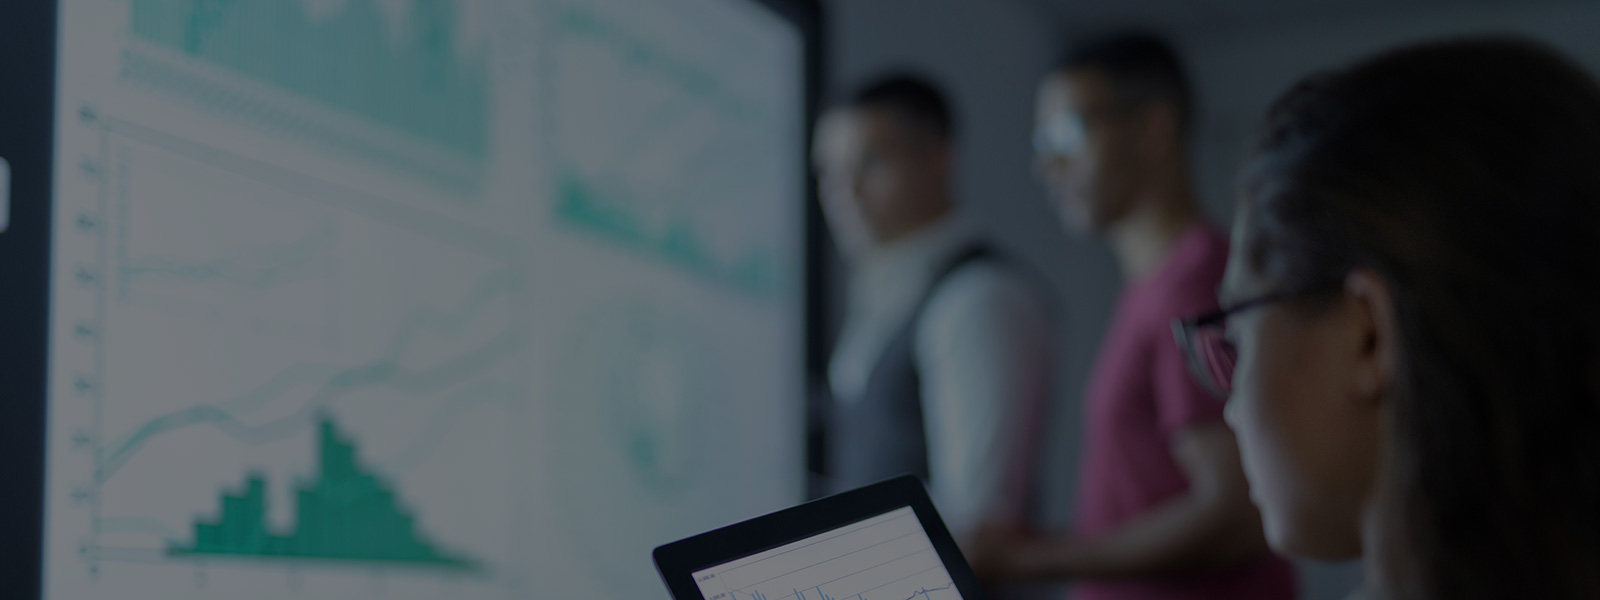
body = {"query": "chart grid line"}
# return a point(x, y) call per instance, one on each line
point(840, 557)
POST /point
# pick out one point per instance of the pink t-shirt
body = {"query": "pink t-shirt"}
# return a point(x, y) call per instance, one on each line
point(1140, 396)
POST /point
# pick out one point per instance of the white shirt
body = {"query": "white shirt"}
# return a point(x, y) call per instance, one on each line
point(984, 350)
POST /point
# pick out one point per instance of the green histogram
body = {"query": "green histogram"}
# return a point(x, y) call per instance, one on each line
point(348, 513)
point(415, 83)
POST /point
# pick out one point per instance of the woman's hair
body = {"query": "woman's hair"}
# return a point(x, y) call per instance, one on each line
point(1466, 174)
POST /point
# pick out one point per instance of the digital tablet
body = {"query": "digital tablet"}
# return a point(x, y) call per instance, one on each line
point(881, 542)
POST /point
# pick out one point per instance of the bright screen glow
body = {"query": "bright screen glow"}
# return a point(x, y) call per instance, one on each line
point(418, 298)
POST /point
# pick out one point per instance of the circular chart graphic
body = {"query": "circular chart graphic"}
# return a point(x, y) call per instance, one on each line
point(632, 398)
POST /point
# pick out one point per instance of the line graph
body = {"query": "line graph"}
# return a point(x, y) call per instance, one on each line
point(281, 259)
point(258, 268)
point(262, 254)
point(308, 254)
point(336, 380)
point(271, 315)
point(819, 595)
point(384, 374)
point(650, 139)
point(888, 557)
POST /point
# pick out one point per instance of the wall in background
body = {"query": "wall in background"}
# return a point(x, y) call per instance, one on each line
point(1241, 68)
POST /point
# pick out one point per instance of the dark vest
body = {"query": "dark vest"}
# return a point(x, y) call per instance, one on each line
point(880, 434)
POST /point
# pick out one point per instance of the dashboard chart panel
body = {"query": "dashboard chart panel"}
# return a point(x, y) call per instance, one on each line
point(417, 298)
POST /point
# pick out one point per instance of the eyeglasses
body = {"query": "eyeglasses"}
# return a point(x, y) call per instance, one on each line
point(1207, 351)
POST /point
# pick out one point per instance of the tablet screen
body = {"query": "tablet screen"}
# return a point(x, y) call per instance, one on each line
point(886, 557)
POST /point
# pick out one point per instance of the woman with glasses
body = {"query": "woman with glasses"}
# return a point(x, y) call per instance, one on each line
point(1410, 339)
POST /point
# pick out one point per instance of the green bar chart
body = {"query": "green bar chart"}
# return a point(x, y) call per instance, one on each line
point(346, 513)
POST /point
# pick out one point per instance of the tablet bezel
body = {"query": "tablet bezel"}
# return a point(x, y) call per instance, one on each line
point(678, 561)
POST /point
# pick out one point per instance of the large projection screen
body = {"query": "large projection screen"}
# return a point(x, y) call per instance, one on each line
point(416, 298)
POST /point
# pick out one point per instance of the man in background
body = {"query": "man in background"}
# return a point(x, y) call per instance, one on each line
point(945, 356)
point(1164, 510)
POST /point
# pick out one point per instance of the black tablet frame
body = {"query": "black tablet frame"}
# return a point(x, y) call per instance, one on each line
point(678, 561)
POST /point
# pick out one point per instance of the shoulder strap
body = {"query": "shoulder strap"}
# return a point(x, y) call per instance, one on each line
point(976, 251)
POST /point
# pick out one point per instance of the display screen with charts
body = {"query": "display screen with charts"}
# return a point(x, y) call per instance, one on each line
point(884, 541)
point(359, 299)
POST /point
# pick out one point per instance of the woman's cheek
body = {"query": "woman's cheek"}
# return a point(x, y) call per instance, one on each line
point(1241, 417)
point(1263, 457)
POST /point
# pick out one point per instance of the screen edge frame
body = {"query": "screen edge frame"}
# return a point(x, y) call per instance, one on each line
point(27, 142)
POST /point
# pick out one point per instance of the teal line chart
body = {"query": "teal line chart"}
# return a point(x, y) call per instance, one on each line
point(695, 221)
point(429, 222)
point(699, 89)
point(419, 97)
point(925, 592)
point(92, 224)
point(698, 82)
point(254, 268)
point(888, 557)
point(335, 381)
point(445, 417)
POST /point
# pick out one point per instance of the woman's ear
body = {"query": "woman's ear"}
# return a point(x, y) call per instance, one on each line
point(1374, 312)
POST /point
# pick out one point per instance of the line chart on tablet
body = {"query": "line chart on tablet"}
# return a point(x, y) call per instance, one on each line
point(888, 557)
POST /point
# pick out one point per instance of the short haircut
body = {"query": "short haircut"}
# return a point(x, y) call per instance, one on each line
point(1141, 66)
point(912, 97)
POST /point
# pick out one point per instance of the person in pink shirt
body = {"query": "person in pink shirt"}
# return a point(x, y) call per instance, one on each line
point(1164, 510)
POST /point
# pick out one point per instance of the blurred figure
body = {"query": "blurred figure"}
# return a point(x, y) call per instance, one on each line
point(1163, 510)
point(1412, 310)
point(946, 351)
